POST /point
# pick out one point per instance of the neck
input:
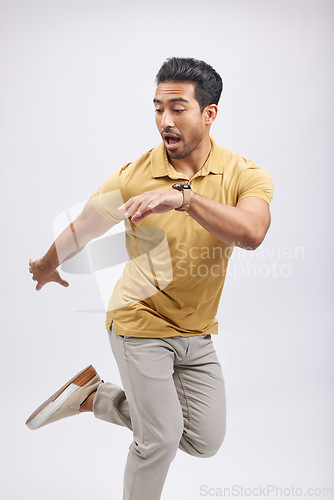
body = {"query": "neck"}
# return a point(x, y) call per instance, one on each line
point(192, 163)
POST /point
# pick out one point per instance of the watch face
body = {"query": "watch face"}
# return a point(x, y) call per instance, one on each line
point(181, 187)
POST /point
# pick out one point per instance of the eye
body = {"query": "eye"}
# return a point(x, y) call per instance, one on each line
point(158, 111)
point(178, 110)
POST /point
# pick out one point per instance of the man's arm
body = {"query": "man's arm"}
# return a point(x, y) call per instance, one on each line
point(244, 226)
point(89, 225)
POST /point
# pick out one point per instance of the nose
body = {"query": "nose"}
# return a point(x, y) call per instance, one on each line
point(167, 120)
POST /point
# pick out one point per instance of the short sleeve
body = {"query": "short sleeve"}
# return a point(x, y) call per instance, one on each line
point(254, 181)
point(108, 198)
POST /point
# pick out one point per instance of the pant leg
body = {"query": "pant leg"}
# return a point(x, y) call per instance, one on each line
point(201, 390)
point(111, 405)
point(199, 385)
point(146, 367)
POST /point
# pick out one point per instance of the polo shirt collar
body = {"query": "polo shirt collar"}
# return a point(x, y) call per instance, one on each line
point(160, 166)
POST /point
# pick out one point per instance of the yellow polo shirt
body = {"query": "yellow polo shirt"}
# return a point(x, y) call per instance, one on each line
point(174, 278)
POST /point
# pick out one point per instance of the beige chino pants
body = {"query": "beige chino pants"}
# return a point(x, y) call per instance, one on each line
point(173, 397)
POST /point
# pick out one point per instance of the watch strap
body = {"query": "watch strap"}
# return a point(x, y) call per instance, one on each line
point(186, 200)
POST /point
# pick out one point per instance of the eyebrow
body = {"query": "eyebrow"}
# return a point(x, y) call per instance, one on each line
point(176, 99)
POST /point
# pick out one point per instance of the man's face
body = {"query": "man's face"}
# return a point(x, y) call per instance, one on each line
point(179, 118)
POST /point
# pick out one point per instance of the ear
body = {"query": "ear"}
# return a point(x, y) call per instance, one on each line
point(210, 114)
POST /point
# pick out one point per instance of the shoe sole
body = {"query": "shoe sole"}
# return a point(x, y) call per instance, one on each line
point(53, 403)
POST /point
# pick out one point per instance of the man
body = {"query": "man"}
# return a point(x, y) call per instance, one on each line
point(185, 204)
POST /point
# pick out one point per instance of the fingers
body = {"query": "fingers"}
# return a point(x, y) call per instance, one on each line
point(64, 283)
point(145, 209)
point(142, 210)
point(151, 206)
point(140, 216)
point(33, 277)
point(132, 206)
point(42, 276)
point(139, 205)
point(58, 279)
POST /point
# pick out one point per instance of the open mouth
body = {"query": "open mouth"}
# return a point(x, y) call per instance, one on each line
point(171, 141)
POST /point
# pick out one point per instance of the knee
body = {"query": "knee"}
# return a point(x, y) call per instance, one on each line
point(170, 435)
point(204, 445)
point(213, 444)
point(162, 442)
point(168, 444)
point(210, 448)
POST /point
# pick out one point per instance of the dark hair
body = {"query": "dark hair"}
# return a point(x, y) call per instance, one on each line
point(208, 84)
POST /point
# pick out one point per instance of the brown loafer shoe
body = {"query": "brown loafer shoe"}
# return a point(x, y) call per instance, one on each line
point(67, 400)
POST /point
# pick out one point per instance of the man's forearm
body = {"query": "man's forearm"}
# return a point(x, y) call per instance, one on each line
point(64, 248)
point(232, 225)
point(89, 225)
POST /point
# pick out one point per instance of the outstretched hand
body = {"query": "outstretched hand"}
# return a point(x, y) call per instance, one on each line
point(42, 274)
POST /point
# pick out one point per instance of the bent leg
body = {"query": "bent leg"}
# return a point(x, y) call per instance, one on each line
point(165, 410)
point(110, 404)
point(146, 368)
point(201, 390)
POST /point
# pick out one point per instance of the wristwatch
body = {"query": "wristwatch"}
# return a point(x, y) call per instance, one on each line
point(186, 190)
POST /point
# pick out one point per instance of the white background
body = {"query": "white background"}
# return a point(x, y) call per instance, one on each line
point(77, 82)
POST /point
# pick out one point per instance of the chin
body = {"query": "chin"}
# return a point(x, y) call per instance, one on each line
point(174, 155)
point(178, 155)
